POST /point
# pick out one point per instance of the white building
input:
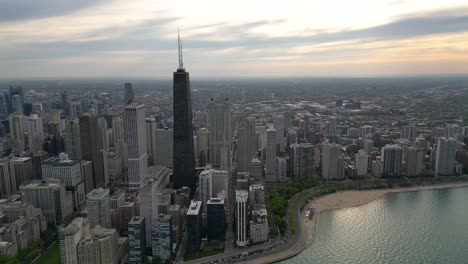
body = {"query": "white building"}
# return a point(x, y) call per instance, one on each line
point(241, 217)
point(98, 208)
point(446, 149)
point(211, 183)
point(365, 131)
point(361, 163)
point(136, 141)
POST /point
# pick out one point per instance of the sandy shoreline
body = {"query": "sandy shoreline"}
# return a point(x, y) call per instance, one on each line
point(336, 201)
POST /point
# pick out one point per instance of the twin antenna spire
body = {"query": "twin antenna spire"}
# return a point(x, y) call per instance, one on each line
point(181, 56)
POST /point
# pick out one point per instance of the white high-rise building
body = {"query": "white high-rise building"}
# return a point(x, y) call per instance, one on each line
point(361, 163)
point(136, 141)
point(271, 155)
point(118, 129)
point(219, 117)
point(163, 155)
point(76, 110)
point(368, 146)
point(451, 131)
point(391, 158)
point(247, 144)
point(331, 168)
point(72, 139)
point(446, 150)
point(408, 132)
point(211, 183)
point(35, 132)
point(365, 131)
point(50, 196)
point(17, 133)
point(241, 217)
point(97, 207)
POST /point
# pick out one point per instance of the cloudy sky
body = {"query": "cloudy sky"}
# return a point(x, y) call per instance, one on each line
point(138, 38)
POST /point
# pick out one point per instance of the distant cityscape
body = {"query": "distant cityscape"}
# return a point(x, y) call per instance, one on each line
point(208, 174)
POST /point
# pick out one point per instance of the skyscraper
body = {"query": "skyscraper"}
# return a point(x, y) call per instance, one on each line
point(361, 163)
point(129, 96)
point(97, 206)
point(35, 132)
point(247, 144)
point(91, 148)
point(136, 240)
point(216, 219)
point(271, 155)
point(331, 168)
point(219, 117)
point(302, 157)
point(446, 149)
point(184, 161)
point(241, 217)
point(7, 178)
point(392, 159)
point(278, 120)
point(17, 133)
point(150, 124)
point(136, 141)
point(194, 228)
point(415, 161)
point(163, 147)
point(161, 234)
point(72, 139)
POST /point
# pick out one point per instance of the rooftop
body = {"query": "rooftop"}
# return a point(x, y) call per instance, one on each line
point(194, 208)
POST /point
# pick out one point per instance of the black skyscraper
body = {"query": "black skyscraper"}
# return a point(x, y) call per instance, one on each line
point(184, 161)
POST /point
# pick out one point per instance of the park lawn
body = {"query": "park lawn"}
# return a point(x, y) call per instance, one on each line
point(52, 256)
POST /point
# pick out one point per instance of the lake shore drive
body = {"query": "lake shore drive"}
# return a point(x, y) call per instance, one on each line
point(340, 200)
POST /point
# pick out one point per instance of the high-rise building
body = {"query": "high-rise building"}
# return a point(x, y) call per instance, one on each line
point(163, 155)
point(76, 110)
point(270, 167)
point(118, 129)
point(361, 163)
point(391, 158)
point(247, 144)
point(281, 169)
point(136, 141)
point(97, 207)
point(69, 172)
point(211, 183)
point(408, 132)
point(241, 217)
point(16, 101)
point(278, 120)
point(129, 96)
point(91, 148)
point(184, 162)
point(150, 124)
point(415, 161)
point(256, 169)
point(50, 196)
point(365, 131)
point(22, 167)
point(17, 133)
point(451, 131)
point(203, 146)
point(103, 133)
point(72, 139)
point(7, 179)
point(161, 234)
point(331, 168)
point(331, 126)
point(302, 161)
point(446, 149)
point(194, 228)
point(136, 240)
point(87, 175)
point(35, 132)
point(147, 194)
point(219, 117)
point(215, 215)
point(368, 146)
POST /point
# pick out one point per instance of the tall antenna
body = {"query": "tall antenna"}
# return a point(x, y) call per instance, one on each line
point(179, 46)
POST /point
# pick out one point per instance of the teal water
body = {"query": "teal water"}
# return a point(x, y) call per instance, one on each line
point(415, 227)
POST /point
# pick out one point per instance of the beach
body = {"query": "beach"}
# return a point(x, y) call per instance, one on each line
point(305, 231)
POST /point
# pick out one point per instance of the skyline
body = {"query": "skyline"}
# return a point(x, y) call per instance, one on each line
point(120, 38)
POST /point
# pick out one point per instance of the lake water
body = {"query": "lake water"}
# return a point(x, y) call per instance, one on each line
point(415, 227)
